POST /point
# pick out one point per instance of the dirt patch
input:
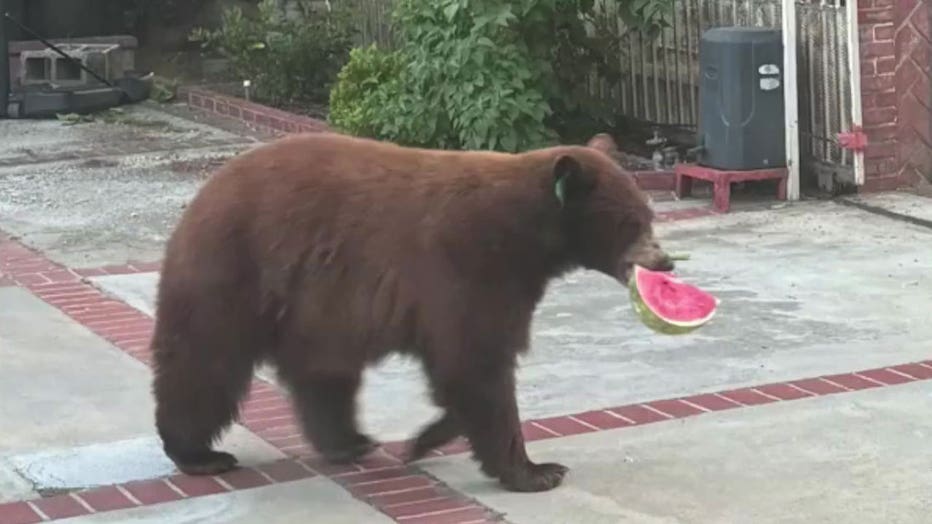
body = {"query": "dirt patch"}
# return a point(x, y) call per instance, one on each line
point(54, 492)
point(95, 163)
point(120, 116)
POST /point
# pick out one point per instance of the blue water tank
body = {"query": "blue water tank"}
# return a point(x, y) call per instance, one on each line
point(741, 124)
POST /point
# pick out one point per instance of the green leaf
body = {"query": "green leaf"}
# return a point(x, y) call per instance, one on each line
point(450, 10)
point(510, 140)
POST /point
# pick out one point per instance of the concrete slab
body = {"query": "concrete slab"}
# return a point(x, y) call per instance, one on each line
point(14, 486)
point(843, 458)
point(136, 289)
point(109, 463)
point(61, 384)
point(135, 129)
point(907, 204)
point(63, 388)
point(673, 204)
point(777, 322)
point(307, 501)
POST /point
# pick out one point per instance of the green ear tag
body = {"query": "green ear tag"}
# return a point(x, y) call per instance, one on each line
point(559, 189)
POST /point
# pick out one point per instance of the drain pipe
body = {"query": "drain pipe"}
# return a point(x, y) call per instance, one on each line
point(4, 61)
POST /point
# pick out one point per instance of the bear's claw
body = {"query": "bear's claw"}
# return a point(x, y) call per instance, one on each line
point(535, 477)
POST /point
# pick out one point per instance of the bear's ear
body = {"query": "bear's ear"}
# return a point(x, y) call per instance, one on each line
point(604, 143)
point(570, 180)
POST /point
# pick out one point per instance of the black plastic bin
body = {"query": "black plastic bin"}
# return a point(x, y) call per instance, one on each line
point(741, 124)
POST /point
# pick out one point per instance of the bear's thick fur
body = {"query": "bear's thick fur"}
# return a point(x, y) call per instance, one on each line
point(322, 253)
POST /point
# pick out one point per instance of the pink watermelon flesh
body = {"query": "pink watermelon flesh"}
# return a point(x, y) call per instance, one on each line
point(672, 300)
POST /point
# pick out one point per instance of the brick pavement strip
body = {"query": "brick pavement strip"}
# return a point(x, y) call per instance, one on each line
point(266, 412)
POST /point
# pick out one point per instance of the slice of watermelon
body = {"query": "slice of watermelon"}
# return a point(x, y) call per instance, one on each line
point(668, 305)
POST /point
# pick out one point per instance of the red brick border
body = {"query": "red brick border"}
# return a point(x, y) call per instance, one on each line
point(252, 114)
point(129, 268)
point(278, 121)
point(684, 407)
point(408, 495)
point(401, 492)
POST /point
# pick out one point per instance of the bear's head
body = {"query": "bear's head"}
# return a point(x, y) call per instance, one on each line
point(607, 218)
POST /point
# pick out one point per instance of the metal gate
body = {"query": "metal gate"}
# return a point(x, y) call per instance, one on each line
point(659, 81)
point(659, 76)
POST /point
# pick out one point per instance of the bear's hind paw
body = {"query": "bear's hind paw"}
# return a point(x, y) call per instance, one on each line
point(208, 463)
point(535, 477)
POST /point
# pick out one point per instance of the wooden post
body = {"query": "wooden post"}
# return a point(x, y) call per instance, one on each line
point(790, 99)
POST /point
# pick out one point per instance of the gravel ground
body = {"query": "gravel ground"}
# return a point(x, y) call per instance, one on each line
point(116, 200)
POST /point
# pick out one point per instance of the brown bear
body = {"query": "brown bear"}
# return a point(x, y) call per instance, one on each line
point(322, 253)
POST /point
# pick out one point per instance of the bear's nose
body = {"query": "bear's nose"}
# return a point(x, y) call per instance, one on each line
point(665, 264)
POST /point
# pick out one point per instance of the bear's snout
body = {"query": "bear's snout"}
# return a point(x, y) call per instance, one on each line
point(648, 254)
point(665, 263)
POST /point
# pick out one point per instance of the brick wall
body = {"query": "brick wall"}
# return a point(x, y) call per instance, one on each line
point(895, 91)
point(255, 115)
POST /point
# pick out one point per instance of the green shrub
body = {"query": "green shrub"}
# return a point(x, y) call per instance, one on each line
point(471, 80)
point(486, 74)
point(358, 99)
point(465, 80)
point(287, 58)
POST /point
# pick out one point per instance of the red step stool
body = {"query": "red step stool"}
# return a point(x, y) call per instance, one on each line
point(722, 181)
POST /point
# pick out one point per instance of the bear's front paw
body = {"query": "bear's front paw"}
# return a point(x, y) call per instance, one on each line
point(535, 477)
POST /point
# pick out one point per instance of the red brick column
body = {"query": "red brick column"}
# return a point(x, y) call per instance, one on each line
point(895, 91)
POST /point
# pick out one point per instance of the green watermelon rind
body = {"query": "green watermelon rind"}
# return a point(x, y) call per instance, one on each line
point(654, 321)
